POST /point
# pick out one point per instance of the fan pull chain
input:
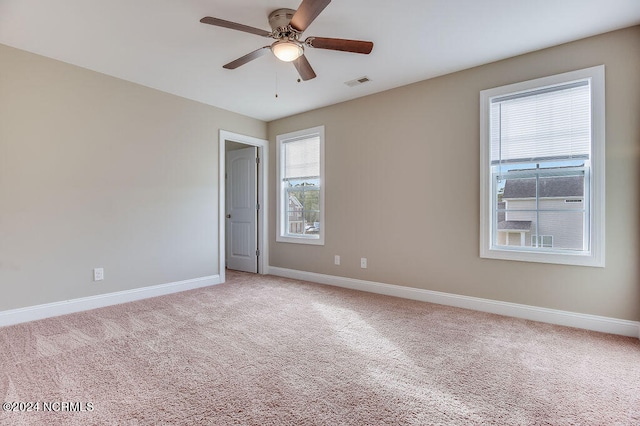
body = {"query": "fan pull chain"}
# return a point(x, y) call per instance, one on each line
point(276, 85)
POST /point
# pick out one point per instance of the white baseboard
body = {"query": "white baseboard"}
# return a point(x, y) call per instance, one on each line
point(552, 316)
point(47, 310)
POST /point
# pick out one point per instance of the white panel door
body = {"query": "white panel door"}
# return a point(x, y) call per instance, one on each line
point(242, 210)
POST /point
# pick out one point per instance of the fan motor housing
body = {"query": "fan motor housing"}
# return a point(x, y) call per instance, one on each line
point(280, 18)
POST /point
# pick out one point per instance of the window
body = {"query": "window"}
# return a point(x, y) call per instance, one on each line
point(542, 170)
point(542, 241)
point(301, 192)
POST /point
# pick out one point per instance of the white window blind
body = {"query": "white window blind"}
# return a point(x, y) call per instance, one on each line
point(301, 158)
point(551, 123)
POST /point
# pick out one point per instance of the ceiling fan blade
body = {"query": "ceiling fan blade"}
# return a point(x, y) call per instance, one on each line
point(304, 68)
point(234, 26)
point(307, 12)
point(354, 46)
point(247, 58)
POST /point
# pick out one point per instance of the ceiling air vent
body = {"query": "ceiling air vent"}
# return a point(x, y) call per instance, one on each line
point(357, 81)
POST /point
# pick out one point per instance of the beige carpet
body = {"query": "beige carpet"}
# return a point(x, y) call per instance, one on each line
point(270, 351)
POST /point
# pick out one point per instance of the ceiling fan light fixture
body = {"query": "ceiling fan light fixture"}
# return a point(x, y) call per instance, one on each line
point(287, 26)
point(286, 50)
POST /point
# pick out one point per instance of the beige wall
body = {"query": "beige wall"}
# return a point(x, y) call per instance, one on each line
point(99, 172)
point(402, 187)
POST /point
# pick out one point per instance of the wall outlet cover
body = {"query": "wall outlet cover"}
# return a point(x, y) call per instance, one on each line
point(98, 274)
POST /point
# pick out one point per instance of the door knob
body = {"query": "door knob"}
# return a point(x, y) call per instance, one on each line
point(229, 216)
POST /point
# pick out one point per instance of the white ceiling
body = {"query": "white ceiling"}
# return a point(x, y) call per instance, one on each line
point(162, 44)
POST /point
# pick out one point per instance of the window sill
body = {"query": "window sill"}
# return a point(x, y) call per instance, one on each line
point(575, 259)
point(319, 241)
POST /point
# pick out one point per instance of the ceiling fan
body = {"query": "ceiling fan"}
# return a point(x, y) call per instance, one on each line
point(287, 26)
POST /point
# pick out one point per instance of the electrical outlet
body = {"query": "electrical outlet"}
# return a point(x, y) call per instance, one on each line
point(363, 262)
point(98, 274)
point(336, 259)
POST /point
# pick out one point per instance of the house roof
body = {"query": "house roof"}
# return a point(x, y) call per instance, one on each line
point(514, 225)
point(294, 199)
point(555, 186)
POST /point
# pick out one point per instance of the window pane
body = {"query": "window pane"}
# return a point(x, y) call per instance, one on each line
point(303, 207)
point(566, 228)
point(541, 207)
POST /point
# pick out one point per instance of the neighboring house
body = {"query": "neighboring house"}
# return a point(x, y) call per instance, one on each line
point(296, 216)
point(551, 223)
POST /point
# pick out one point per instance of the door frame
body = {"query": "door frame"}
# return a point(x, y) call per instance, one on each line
point(263, 231)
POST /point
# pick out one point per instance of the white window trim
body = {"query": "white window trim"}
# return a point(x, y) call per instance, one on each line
point(595, 257)
point(302, 239)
